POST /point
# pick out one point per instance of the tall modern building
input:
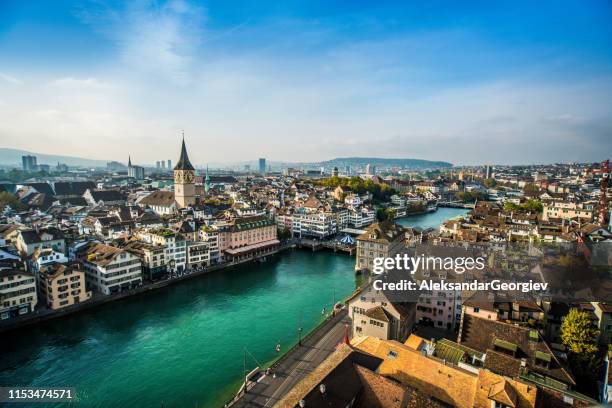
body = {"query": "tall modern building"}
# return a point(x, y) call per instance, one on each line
point(370, 169)
point(184, 180)
point(158, 165)
point(29, 163)
point(135, 172)
point(488, 171)
point(206, 181)
point(262, 165)
point(163, 164)
point(169, 164)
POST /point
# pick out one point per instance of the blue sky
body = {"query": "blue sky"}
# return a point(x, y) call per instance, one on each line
point(467, 82)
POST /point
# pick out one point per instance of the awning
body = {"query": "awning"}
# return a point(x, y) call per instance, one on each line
point(254, 247)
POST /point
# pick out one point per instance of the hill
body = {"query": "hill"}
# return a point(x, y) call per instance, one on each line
point(341, 162)
point(10, 157)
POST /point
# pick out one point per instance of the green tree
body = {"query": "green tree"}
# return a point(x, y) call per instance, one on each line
point(9, 199)
point(580, 337)
point(490, 183)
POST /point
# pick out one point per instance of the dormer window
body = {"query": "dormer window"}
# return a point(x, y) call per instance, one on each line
point(505, 347)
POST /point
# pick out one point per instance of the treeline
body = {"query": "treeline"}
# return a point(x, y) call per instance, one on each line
point(532, 205)
point(380, 191)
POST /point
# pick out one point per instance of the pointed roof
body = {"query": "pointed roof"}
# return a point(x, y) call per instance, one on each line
point(183, 163)
point(130, 161)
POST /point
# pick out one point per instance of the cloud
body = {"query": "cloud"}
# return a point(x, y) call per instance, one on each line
point(10, 79)
point(77, 83)
point(159, 38)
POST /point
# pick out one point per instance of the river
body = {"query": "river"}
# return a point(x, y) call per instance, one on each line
point(183, 346)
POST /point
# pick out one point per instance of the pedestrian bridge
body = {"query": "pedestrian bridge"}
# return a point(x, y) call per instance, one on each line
point(353, 231)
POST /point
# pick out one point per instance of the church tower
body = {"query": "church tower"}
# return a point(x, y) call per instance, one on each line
point(184, 180)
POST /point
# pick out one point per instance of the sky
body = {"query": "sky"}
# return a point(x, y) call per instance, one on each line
point(500, 82)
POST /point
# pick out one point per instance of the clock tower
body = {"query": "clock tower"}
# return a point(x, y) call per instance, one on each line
point(184, 180)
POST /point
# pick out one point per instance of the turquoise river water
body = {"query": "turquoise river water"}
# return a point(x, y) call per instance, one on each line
point(183, 346)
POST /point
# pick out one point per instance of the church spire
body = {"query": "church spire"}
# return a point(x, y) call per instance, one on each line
point(129, 161)
point(183, 163)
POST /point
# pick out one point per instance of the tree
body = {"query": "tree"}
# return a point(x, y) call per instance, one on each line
point(490, 183)
point(9, 199)
point(580, 337)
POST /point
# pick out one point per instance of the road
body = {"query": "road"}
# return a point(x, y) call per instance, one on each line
point(297, 364)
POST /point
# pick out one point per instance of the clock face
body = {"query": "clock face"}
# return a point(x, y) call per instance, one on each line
point(189, 177)
point(178, 176)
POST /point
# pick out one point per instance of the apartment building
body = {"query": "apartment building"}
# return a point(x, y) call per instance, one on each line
point(373, 314)
point(321, 225)
point(110, 270)
point(568, 210)
point(30, 240)
point(154, 262)
point(174, 243)
point(17, 293)
point(380, 240)
point(62, 285)
point(246, 237)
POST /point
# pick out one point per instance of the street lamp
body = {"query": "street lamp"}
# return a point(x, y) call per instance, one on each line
point(300, 336)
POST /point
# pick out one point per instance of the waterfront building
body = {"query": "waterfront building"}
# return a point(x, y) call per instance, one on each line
point(153, 258)
point(184, 180)
point(361, 217)
point(321, 225)
point(211, 238)
point(248, 236)
point(175, 246)
point(62, 285)
point(110, 270)
point(380, 240)
point(17, 293)
point(372, 313)
point(28, 241)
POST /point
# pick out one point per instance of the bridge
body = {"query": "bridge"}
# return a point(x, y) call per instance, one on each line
point(328, 244)
point(455, 204)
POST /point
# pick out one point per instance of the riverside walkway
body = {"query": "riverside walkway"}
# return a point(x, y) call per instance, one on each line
point(296, 364)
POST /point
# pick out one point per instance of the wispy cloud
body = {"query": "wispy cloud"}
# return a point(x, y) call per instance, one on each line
point(10, 79)
point(155, 37)
point(77, 83)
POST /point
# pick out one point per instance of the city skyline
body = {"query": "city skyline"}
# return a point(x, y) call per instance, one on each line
point(307, 83)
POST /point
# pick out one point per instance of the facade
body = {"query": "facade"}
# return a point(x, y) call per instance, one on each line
point(373, 314)
point(135, 172)
point(17, 293)
point(381, 240)
point(567, 211)
point(29, 163)
point(110, 270)
point(262, 165)
point(28, 241)
point(175, 247)
point(62, 285)
point(161, 202)
point(319, 225)
point(184, 180)
point(248, 236)
point(153, 257)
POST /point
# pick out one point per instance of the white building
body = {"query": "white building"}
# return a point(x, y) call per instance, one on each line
point(17, 293)
point(319, 225)
point(110, 270)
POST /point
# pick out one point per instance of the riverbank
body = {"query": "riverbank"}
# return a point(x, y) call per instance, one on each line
point(44, 315)
point(183, 346)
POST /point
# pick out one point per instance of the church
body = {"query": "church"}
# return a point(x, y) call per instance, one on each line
point(184, 195)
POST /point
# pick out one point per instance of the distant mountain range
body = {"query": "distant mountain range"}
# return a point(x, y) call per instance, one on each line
point(10, 157)
point(342, 162)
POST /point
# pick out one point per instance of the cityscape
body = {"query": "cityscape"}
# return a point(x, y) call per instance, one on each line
point(196, 210)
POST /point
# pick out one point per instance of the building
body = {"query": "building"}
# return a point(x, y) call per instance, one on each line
point(154, 261)
point(487, 171)
point(17, 293)
point(335, 172)
point(110, 270)
point(28, 241)
point(567, 210)
point(104, 197)
point(135, 172)
point(381, 240)
point(175, 247)
point(162, 202)
point(28, 163)
point(184, 180)
point(247, 237)
point(373, 314)
point(437, 371)
point(169, 163)
point(62, 285)
point(262, 165)
point(206, 182)
point(321, 225)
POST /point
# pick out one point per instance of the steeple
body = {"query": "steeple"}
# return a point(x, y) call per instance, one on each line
point(206, 181)
point(130, 161)
point(183, 163)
